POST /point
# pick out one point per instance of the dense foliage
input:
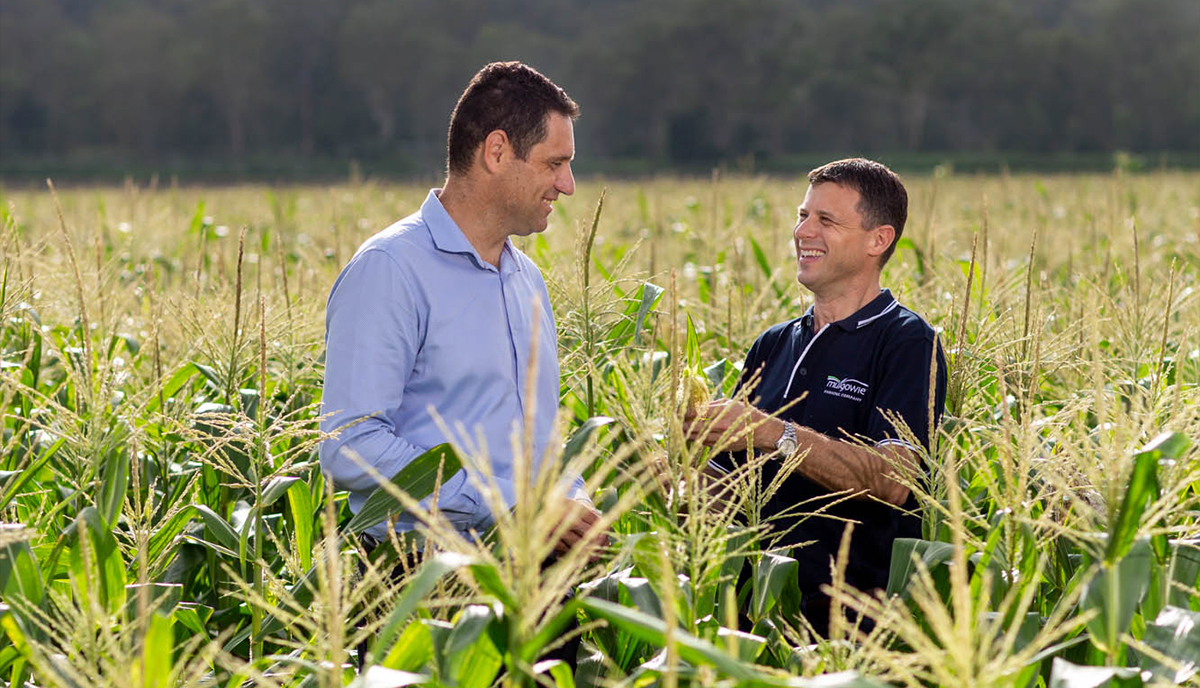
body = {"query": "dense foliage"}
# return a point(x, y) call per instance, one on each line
point(165, 521)
point(148, 83)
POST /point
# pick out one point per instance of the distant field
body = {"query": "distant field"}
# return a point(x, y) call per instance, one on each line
point(165, 518)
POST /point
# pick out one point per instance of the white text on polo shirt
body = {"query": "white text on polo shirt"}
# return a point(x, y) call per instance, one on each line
point(849, 388)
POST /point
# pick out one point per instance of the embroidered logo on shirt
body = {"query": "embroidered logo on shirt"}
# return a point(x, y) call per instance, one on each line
point(851, 389)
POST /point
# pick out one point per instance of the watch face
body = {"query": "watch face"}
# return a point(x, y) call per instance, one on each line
point(786, 446)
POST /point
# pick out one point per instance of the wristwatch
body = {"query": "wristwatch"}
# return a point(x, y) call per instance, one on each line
point(787, 444)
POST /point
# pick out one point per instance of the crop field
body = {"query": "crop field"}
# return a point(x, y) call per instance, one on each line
point(164, 521)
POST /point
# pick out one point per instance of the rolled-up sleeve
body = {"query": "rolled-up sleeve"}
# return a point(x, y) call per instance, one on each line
point(373, 334)
point(905, 396)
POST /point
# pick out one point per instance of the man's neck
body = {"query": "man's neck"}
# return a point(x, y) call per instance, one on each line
point(832, 307)
point(475, 216)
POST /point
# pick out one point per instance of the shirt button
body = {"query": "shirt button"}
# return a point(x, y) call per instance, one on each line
point(804, 371)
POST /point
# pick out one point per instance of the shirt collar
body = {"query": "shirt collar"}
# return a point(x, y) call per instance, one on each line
point(448, 236)
point(878, 307)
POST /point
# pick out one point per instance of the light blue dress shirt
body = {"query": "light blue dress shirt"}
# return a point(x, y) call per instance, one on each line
point(418, 324)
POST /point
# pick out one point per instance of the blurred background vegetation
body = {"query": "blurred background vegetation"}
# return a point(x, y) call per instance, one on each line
point(227, 90)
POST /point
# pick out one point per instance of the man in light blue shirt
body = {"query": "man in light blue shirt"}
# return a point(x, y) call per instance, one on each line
point(440, 316)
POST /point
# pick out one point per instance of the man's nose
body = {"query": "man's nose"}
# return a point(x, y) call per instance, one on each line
point(802, 229)
point(566, 181)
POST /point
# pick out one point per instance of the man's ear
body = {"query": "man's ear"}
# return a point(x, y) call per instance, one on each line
point(495, 150)
point(881, 238)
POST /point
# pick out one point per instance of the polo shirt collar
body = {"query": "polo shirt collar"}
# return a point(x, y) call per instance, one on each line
point(878, 307)
point(448, 236)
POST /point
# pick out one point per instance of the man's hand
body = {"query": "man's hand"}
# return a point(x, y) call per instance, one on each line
point(724, 424)
point(583, 528)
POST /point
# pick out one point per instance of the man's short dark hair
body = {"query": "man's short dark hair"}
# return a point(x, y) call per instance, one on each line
point(510, 96)
point(883, 198)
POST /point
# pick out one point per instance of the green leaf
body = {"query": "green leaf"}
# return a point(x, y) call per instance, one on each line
point(275, 489)
point(193, 617)
point(173, 385)
point(414, 591)
point(106, 574)
point(699, 652)
point(1175, 633)
point(903, 566)
point(469, 653)
point(580, 437)
point(772, 573)
point(158, 647)
point(469, 626)
point(1064, 674)
point(907, 244)
point(488, 578)
point(418, 479)
point(113, 484)
point(218, 527)
point(651, 294)
point(629, 325)
point(412, 650)
point(381, 677)
point(559, 670)
point(30, 472)
point(550, 631)
point(716, 375)
point(165, 534)
point(691, 345)
point(158, 597)
point(1143, 489)
point(197, 223)
point(211, 376)
point(20, 575)
point(1115, 592)
point(746, 645)
point(14, 630)
point(1183, 573)
point(760, 257)
point(301, 506)
point(643, 596)
point(653, 630)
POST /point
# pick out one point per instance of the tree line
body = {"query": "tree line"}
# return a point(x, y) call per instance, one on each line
point(679, 82)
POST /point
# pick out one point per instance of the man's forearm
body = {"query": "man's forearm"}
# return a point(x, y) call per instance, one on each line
point(833, 464)
point(838, 466)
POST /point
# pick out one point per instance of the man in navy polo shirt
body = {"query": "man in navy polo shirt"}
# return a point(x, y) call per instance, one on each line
point(848, 383)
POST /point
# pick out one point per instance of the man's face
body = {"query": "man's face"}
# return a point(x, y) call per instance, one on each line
point(833, 247)
point(531, 185)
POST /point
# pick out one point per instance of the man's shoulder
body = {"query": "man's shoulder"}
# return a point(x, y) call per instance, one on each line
point(400, 238)
point(766, 341)
point(906, 325)
point(907, 340)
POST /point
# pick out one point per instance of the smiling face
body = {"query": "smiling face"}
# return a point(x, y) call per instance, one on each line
point(834, 249)
point(533, 184)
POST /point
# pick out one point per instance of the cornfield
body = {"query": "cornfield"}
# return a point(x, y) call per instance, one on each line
point(166, 523)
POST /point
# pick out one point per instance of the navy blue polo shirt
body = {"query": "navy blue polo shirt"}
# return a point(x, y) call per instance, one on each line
point(840, 380)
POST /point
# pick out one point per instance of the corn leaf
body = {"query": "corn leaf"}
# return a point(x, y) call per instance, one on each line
point(20, 576)
point(417, 588)
point(773, 574)
point(1064, 674)
point(418, 479)
point(1114, 593)
point(1175, 633)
